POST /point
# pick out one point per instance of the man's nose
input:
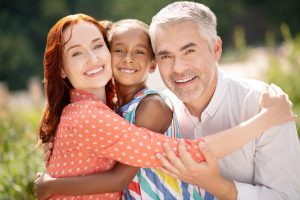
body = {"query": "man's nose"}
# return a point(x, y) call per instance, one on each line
point(178, 65)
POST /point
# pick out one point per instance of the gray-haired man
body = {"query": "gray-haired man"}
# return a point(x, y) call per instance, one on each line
point(187, 48)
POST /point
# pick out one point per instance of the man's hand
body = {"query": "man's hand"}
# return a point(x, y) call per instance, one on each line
point(205, 174)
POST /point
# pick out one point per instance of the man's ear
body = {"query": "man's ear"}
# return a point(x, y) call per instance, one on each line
point(63, 74)
point(218, 48)
point(152, 66)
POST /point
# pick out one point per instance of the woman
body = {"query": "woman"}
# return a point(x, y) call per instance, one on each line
point(88, 136)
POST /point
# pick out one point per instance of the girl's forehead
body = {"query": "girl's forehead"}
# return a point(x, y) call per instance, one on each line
point(129, 34)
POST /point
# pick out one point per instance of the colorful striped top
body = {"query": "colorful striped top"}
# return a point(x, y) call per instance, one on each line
point(152, 183)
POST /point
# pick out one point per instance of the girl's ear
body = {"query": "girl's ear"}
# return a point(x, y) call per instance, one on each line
point(152, 66)
point(63, 74)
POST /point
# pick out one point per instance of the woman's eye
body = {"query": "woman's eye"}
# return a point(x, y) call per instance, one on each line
point(98, 46)
point(77, 53)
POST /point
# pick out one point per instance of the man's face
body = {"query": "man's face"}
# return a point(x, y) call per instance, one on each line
point(186, 63)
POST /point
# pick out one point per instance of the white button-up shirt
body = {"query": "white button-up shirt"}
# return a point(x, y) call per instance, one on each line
point(267, 168)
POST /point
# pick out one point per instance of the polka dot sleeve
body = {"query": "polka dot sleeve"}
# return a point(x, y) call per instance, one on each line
point(104, 133)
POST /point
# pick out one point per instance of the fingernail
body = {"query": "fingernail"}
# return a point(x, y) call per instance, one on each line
point(158, 155)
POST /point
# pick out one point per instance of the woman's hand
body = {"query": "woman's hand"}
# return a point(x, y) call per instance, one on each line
point(42, 186)
point(276, 106)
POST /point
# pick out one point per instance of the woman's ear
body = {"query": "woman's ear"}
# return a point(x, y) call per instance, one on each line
point(152, 66)
point(63, 74)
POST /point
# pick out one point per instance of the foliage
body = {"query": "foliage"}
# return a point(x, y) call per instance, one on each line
point(24, 25)
point(284, 68)
point(19, 159)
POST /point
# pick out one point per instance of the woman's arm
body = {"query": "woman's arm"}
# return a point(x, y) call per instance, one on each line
point(114, 180)
point(121, 175)
point(116, 139)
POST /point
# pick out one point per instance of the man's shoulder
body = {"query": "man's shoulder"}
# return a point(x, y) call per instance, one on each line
point(243, 86)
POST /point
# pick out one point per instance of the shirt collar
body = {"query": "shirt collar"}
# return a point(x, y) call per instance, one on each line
point(218, 95)
point(81, 95)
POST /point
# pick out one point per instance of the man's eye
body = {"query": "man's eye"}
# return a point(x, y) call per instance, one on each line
point(189, 51)
point(164, 57)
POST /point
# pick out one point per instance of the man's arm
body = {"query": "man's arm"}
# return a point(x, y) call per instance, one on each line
point(277, 166)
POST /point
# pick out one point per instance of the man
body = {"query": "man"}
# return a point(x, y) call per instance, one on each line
point(187, 48)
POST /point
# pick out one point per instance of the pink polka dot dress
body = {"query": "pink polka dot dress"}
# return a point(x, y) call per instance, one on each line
point(90, 137)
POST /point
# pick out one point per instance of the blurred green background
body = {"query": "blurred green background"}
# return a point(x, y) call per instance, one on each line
point(261, 40)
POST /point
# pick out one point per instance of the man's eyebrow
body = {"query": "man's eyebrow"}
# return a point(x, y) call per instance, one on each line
point(191, 44)
point(163, 52)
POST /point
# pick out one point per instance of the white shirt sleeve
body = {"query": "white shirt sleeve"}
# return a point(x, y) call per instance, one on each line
point(277, 166)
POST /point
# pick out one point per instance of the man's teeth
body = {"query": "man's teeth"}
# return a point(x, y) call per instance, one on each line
point(95, 71)
point(184, 80)
point(129, 71)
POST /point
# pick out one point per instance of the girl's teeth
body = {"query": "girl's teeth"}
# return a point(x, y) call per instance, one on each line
point(184, 80)
point(129, 71)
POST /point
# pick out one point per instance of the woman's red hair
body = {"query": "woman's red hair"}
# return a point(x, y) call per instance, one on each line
point(57, 89)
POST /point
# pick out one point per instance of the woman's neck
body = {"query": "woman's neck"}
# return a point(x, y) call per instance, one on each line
point(100, 93)
point(126, 93)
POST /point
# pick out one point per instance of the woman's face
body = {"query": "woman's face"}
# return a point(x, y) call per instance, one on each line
point(86, 58)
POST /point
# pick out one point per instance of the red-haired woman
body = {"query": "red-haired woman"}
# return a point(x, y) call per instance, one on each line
point(88, 136)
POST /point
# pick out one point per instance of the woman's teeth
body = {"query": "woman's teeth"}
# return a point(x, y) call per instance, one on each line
point(94, 71)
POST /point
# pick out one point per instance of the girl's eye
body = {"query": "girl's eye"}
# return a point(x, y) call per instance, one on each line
point(119, 51)
point(77, 53)
point(140, 52)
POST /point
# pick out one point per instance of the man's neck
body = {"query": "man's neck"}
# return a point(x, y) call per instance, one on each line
point(198, 106)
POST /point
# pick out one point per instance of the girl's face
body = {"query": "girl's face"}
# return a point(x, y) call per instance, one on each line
point(132, 56)
point(86, 58)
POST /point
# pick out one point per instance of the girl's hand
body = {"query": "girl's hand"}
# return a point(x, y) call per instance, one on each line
point(276, 105)
point(41, 186)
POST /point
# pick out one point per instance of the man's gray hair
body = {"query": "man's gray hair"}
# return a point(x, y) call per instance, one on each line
point(203, 17)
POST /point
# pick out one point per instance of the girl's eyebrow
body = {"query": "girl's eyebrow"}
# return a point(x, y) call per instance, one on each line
point(138, 45)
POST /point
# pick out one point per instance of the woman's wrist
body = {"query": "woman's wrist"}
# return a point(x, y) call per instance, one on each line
point(52, 186)
point(226, 190)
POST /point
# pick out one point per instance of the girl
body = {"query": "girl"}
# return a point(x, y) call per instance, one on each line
point(88, 136)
